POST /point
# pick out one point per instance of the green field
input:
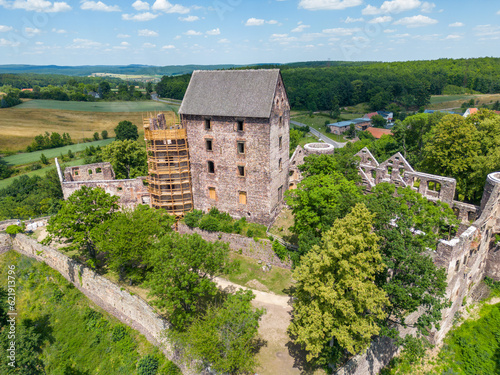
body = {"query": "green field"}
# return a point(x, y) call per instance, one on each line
point(31, 157)
point(436, 99)
point(140, 106)
point(318, 122)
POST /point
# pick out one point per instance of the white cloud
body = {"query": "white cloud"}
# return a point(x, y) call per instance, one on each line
point(416, 21)
point(272, 22)
point(401, 35)
point(99, 6)
point(149, 45)
point(38, 5)
point(189, 18)
point(352, 20)
point(140, 5)
point(84, 43)
point(59, 31)
point(193, 33)
point(392, 6)
point(139, 17)
point(456, 24)
point(340, 31)
point(427, 7)
point(169, 46)
point(498, 12)
point(123, 36)
point(254, 22)
point(213, 32)
point(381, 19)
point(146, 32)
point(39, 43)
point(125, 44)
point(300, 28)
point(487, 32)
point(8, 43)
point(224, 41)
point(31, 31)
point(328, 4)
point(167, 7)
point(388, 31)
point(282, 38)
point(4, 29)
point(453, 37)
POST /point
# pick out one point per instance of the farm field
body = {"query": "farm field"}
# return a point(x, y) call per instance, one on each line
point(140, 106)
point(31, 157)
point(19, 125)
point(318, 122)
point(455, 101)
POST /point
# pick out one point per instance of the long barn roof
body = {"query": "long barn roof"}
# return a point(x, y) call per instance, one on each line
point(236, 93)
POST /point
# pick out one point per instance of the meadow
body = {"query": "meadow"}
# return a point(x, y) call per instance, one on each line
point(20, 124)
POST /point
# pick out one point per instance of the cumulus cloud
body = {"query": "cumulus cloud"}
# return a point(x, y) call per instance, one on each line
point(193, 33)
point(4, 29)
point(340, 31)
point(149, 45)
point(328, 4)
point(146, 32)
point(282, 38)
point(84, 43)
point(147, 16)
point(169, 46)
point(31, 31)
point(37, 5)
point(487, 32)
point(140, 5)
point(381, 19)
point(456, 24)
point(167, 7)
point(416, 21)
point(427, 7)
point(300, 28)
point(189, 18)
point(59, 31)
point(453, 37)
point(123, 36)
point(254, 22)
point(8, 43)
point(392, 6)
point(99, 6)
point(224, 41)
point(352, 20)
point(213, 32)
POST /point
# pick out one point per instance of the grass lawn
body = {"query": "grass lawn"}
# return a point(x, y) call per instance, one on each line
point(455, 101)
point(140, 106)
point(250, 274)
point(436, 99)
point(318, 123)
point(31, 157)
point(308, 139)
point(77, 336)
point(282, 224)
point(40, 172)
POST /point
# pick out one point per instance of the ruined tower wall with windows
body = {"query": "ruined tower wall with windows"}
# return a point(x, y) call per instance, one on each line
point(237, 126)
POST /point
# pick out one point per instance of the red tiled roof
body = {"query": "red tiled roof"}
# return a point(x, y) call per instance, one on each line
point(370, 115)
point(472, 110)
point(377, 132)
point(27, 90)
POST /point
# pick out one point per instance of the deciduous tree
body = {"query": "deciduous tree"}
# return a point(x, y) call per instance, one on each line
point(126, 130)
point(129, 158)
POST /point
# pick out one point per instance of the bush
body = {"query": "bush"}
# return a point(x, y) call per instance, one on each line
point(14, 229)
point(119, 332)
point(210, 223)
point(104, 134)
point(280, 250)
point(36, 166)
point(147, 365)
point(192, 219)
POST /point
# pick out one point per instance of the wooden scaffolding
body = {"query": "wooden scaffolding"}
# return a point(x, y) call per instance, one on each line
point(168, 163)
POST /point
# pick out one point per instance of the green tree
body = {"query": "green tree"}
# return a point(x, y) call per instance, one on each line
point(126, 131)
point(378, 121)
point(336, 296)
point(44, 160)
point(127, 237)
point(129, 158)
point(181, 280)
point(225, 338)
point(295, 137)
point(78, 218)
point(104, 134)
point(5, 170)
point(96, 136)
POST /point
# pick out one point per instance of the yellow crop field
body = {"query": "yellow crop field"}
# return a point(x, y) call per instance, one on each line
point(19, 126)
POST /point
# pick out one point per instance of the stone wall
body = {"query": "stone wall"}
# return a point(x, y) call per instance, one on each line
point(261, 250)
point(90, 172)
point(129, 309)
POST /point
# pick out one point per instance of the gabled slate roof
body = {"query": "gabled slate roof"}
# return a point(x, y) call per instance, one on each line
point(236, 93)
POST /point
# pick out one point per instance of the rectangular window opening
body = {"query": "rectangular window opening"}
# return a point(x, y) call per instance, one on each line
point(208, 144)
point(280, 193)
point(208, 124)
point(243, 197)
point(239, 126)
point(211, 193)
point(280, 142)
point(90, 171)
point(280, 165)
point(98, 170)
point(211, 166)
point(241, 170)
point(241, 147)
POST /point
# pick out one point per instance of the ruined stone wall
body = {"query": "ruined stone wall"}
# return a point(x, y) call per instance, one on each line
point(131, 192)
point(90, 172)
point(130, 309)
point(261, 250)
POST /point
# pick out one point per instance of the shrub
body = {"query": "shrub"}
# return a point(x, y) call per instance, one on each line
point(249, 232)
point(147, 365)
point(104, 134)
point(210, 223)
point(192, 219)
point(36, 166)
point(280, 250)
point(119, 332)
point(14, 229)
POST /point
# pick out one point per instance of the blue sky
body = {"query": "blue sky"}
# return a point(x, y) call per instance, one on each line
point(161, 32)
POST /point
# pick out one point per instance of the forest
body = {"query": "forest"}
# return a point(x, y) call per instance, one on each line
point(409, 84)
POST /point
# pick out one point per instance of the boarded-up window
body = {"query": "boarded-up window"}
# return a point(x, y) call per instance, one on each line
point(243, 197)
point(208, 144)
point(241, 147)
point(211, 193)
point(211, 166)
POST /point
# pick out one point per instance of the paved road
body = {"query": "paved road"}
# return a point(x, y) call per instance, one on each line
point(320, 136)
